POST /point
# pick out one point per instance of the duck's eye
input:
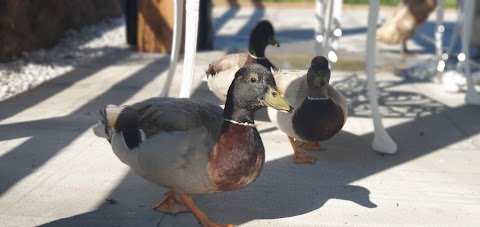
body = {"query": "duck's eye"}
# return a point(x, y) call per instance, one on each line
point(253, 80)
point(274, 94)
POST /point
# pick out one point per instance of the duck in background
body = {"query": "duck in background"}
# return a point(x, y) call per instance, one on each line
point(320, 110)
point(221, 72)
point(194, 147)
point(408, 16)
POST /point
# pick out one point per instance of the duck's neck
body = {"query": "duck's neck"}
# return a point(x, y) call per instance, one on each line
point(256, 49)
point(235, 114)
point(316, 93)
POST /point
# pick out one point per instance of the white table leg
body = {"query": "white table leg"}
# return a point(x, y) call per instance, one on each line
point(382, 142)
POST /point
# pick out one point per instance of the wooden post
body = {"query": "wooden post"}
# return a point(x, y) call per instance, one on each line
point(155, 25)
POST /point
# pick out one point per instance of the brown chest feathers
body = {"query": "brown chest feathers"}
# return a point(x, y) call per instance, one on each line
point(237, 159)
point(318, 120)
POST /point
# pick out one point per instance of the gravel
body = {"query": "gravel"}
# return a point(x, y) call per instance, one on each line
point(77, 47)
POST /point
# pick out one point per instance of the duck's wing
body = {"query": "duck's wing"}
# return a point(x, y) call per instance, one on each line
point(292, 84)
point(164, 114)
point(227, 62)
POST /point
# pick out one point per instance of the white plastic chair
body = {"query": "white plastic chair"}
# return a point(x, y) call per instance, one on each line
point(382, 142)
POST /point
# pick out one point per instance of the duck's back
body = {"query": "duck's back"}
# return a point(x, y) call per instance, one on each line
point(221, 72)
point(227, 62)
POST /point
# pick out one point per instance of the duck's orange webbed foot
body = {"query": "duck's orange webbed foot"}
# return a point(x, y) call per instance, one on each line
point(170, 204)
point(311, 146)
point(298, 158)
point(201, 217)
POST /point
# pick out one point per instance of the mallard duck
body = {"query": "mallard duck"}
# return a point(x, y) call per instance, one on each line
point(193, 147)
point(220, 73)
point(320, 110)
point(407, 17)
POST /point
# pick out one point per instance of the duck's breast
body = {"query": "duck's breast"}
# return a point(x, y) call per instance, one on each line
point(318, 120)
point(237, 159)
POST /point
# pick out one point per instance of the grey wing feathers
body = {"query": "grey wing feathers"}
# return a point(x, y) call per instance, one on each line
point(172, 114)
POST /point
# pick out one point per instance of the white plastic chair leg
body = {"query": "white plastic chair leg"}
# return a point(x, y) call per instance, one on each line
point(319, 28)
point(472, 96)
point(177, 37)
point(327, 14)
point(191, 10)
point(327, 24)
point(440, 28)
point(337, 14)
point(382, 142)
point(456, 31)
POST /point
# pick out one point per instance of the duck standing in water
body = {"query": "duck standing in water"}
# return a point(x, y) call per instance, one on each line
point(221, 72)
point(320, 110)
point(194, 147)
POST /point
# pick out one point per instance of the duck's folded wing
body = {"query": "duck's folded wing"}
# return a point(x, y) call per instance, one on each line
point(291, 84)
point(228, 62)
point(168, 114)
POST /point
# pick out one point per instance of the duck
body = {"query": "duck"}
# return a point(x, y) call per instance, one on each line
point(221, 72)
point(408, 16)
point(191, 146)
point(320, 109)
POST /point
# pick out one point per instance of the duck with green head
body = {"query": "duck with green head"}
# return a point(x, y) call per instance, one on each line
point(320, 109)
point(193, 147)
point(221, 72)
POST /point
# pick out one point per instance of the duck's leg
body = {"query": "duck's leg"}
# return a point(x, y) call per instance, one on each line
point(311, 146)
point(201, 217)
point(403, 48)
point(170, 204)
point(298, 157)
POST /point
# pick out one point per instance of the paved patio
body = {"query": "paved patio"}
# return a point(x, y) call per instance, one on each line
point(55, 172)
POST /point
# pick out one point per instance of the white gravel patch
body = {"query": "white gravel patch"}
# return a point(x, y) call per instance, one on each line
point(77, 47)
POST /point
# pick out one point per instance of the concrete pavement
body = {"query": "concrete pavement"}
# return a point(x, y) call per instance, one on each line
point(55, 172)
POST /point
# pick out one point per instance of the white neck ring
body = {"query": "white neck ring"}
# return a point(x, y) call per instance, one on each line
point(312, 98)
point(255, 57)
point(238, 123)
